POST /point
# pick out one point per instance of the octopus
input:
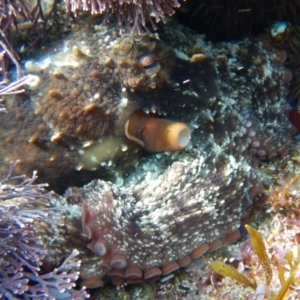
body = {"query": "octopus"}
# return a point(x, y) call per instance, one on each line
point(98, 109)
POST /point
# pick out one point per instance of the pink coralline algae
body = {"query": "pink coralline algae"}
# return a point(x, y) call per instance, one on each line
point(22, 253)
point(132, 15)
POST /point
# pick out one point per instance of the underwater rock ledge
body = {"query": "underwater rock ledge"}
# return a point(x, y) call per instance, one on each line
point(165, 209)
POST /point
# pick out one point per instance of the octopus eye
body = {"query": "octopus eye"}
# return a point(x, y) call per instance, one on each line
point(149, 64)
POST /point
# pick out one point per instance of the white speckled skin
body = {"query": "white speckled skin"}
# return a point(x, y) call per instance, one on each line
point(174, 204)
point(170, 204)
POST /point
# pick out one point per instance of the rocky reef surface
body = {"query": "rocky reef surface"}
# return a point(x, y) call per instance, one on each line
point(160, 210)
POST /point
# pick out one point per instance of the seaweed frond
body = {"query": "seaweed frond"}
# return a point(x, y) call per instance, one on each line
point(293, 263)
point(229, 271)
point(272, 288)
point(259, 247)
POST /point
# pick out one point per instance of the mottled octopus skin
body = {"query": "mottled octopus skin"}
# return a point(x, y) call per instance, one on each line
point(74, 99)
point(172, 207)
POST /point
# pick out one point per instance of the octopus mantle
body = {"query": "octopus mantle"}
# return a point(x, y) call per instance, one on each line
point(162, 209)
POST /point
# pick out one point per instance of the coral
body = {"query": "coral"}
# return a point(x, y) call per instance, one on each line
point(132, 15)
point(22, 252)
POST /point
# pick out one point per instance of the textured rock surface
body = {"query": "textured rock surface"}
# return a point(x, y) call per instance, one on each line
point(174, 206)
